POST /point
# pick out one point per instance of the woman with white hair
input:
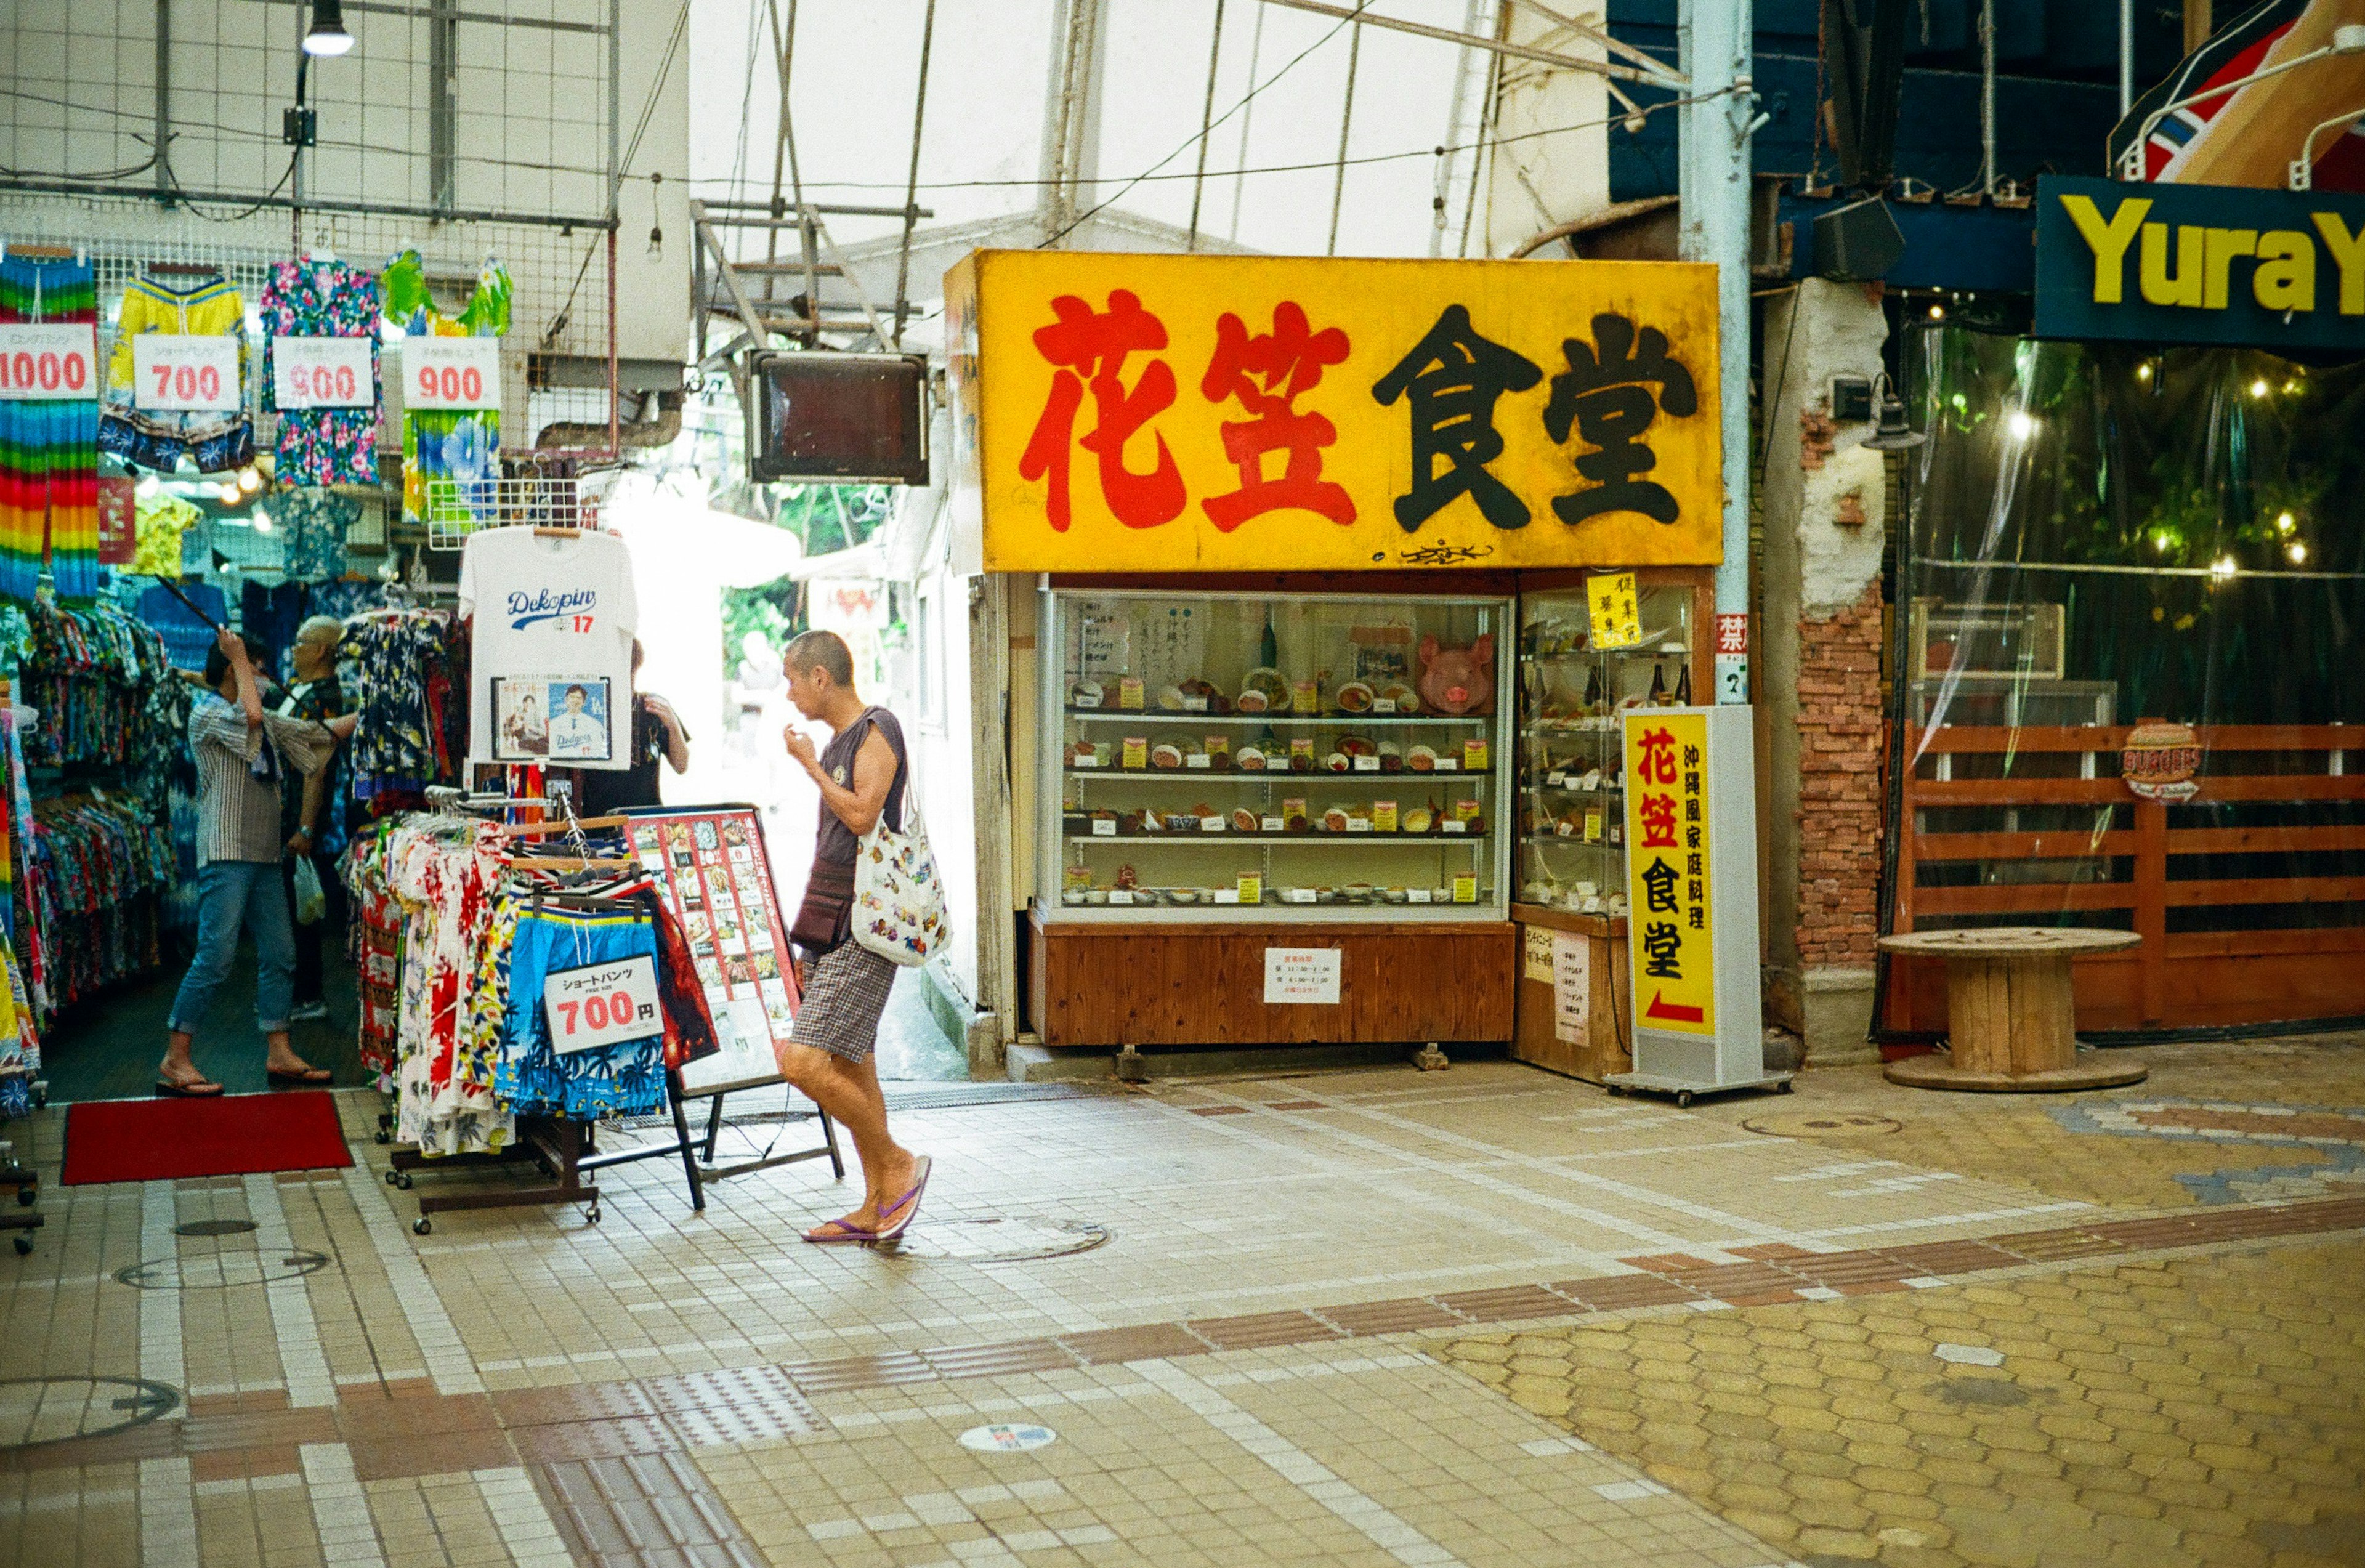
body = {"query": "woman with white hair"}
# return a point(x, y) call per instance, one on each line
point(312, 819)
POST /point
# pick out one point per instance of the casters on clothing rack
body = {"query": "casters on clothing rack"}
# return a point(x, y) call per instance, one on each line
point(390, 1177)
point(24, 1246)
point(28, 1196)
point(422, 1225)
point(592, 1215)
point(384, 1136)
point(401, 1179)
point(1683, 1099)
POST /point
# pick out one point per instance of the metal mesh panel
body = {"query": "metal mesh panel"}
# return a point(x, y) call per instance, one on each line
point(493, 108)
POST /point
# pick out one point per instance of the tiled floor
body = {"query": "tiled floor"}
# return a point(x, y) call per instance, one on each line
point(1353, 1318)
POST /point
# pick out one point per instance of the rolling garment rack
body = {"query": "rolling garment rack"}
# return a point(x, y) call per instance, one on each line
point(564, 1147)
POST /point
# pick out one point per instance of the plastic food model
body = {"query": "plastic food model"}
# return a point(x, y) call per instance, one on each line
point(1127, 878)
point(1456, 681)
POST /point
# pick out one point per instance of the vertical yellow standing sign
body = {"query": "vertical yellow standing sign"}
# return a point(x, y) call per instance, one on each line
point(1670, 918)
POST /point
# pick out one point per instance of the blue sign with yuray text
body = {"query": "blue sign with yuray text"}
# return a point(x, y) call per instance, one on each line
point(2169, 263)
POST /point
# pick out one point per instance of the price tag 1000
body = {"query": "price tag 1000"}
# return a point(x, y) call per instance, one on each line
point(48, 361)
point(172, 374)
point(451, 372)
point(323, 372)
point(603, 1004)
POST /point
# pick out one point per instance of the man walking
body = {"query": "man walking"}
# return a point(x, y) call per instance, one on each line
point(861, 774)
point(238, 747)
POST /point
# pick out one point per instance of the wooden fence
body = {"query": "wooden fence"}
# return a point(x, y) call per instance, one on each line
point(2130, 868)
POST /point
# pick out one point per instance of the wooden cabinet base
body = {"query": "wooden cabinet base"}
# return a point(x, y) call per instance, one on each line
point(1204, 984)
point(1600, 1046)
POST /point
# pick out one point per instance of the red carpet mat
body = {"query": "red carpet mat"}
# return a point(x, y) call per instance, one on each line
point(237, 1135)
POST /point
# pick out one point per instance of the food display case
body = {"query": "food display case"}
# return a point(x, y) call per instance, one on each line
point(1234, 756)
point(1271, 817)
point(1570, 805)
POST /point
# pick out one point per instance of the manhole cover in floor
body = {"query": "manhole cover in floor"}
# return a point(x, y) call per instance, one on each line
point(1823, 1124)
point(219, 1270)
point(214, 1228)
point(999, 1241)
point(51, 1409)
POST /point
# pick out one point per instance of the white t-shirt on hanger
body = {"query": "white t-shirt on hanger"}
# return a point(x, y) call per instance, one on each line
point(551, 613)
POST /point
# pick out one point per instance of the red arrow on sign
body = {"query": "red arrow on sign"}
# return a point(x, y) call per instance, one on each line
point(1662, 1008)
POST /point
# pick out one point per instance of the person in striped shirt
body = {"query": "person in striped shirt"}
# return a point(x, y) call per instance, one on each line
point(243, 751)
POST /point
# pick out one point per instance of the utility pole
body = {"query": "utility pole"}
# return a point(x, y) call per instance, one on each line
point(1714, 128)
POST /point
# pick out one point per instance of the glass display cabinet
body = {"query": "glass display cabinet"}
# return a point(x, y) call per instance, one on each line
point(1572, 802)
point(1246, 757)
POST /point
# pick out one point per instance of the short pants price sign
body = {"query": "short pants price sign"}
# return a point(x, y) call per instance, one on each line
point(451, 372)
point(48, 361)
point(603, 1004)
point(172, 374)
point(321, 373)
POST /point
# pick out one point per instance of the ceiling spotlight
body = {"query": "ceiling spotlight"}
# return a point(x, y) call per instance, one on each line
point(148, 486)
point(2223, 568)
point(229, 494)
point(249, 480)
point(1937, 312)
point(2298, 554)
point(2021, 423)
point(2259, 388)
point(327, 37)
point(2142, 371)
point(2285, 523)
point(261, 521)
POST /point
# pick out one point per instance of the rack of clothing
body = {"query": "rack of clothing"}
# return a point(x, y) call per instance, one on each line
point(491, 914)
point(412, 679)
point(48, 447)
point(92, 873)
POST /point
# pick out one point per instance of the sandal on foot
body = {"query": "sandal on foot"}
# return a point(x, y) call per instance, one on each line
point(843, 1232)
point(189, 1089)
point(906, 1206)
point(298, 1077)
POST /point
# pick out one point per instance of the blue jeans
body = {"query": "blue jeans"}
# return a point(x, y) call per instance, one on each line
point(231, 893)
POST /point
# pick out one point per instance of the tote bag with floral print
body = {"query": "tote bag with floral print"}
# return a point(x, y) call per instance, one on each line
point(899, 899)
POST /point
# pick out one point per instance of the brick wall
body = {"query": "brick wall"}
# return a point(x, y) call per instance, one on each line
point(1839, 785)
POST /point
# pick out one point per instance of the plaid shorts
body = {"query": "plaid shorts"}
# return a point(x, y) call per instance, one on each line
point(845, 995)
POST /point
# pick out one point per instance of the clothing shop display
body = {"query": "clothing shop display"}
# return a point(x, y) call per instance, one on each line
point(161, 522)
point(554, 616)
point(627, 1079)
point(444, 872)
point(103, 684)
point(186, 637)
point(20, 1042)
point(373, 942)
point(320, 297)
point(86, 910)
point(461, 446)
point(48, 447)
point(269, 615)
point(346, 596)
point(312, 524)
point(216, 440)
point(410, 687)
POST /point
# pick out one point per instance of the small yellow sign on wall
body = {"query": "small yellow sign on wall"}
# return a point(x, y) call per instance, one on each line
point(1616, 616)
point(1124, 413)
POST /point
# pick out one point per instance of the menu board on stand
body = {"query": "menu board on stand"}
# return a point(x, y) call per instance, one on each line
point(711, 871)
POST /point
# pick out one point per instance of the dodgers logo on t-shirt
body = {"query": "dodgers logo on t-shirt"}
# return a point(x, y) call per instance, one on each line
point(572, 607)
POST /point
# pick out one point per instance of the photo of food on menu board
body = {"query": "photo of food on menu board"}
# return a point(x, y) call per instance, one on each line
point(710, 869)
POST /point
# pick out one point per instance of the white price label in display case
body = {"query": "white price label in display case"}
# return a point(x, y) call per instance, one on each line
point(1384, 704)
point(48, 361)
point(451, 372)
point(177, 374)
point(1196, 759)
point(321, 373)
point(1103, 828)
point(603, 1004)
point(1121, 897)
point(1367, 765)
point(1417, 895)
point(1272, 824)
point(1359, 824)
point(1453, 827)
point(1213, 824)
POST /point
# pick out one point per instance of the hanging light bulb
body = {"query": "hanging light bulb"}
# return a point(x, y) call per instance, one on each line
point(2298, 554)
point(2286, 523)
point(2021, 423)
point(327, 37)
point(229, 494)
point(249, 480)
point(149, 485)
point(2259, 388)
point(261, 521)
point(1937, 312)
point(2142, 371)
point(2223, 568)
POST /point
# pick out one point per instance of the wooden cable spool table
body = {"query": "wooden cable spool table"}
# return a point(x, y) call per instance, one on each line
point(2010, 1010)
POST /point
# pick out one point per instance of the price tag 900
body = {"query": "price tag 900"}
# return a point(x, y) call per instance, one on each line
point(451, 372)
point(603, 1004)
point(323, 372)
point(48, 361)
point(173, 373)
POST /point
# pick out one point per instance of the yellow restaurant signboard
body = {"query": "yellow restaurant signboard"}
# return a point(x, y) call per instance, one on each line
point(1120, 412)
point(1671, 919)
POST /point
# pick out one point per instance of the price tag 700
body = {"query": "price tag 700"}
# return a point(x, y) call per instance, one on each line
point(451, 372)
point(603, 1004)
point(175, 373)
point(48, 361)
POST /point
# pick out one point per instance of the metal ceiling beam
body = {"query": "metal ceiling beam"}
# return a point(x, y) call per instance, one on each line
point(1658, 78)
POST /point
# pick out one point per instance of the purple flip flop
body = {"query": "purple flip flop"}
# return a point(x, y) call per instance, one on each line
point(845, 1233)
point(908, 1205)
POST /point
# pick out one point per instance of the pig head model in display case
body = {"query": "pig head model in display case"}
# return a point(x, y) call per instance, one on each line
point(1458, 680)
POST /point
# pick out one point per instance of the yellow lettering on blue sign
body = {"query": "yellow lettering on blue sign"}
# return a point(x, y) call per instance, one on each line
point(2108, 241)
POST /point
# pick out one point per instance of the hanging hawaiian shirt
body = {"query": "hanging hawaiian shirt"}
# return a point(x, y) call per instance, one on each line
point(312, 299)
point(217, 440)
point(462, 446)
point(312, 525)
point(162, 520)
point(48, 447)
